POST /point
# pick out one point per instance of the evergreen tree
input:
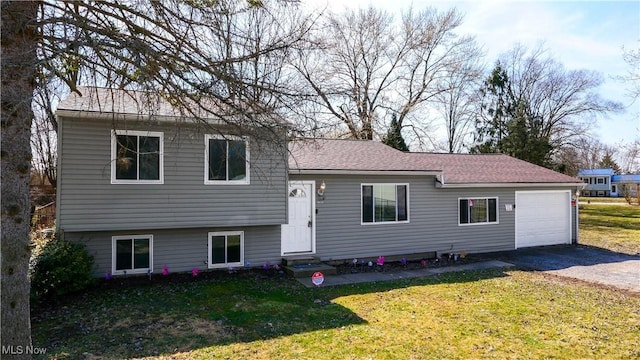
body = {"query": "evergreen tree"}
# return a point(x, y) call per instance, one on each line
point(507, 125)
point(607, 162)
point(494, 113)
point(394, 136)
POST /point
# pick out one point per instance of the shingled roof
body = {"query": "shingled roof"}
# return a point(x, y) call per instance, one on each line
point(489, 169)
point(334, 155)
point(114, 101)
point(349, 156)
point(98, 102)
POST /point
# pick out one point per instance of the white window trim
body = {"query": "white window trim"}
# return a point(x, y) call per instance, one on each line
point(114, 239)
point(385, 222)
point(481, 223)
point(246, 180)
point(114, 143)
point(225, 265)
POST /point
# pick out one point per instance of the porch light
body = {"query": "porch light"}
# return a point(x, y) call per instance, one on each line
point(321, 189)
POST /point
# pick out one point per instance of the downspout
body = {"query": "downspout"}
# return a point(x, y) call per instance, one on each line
point(577, 219)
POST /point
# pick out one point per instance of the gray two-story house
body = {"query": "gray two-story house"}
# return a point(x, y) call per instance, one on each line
point(145, 188)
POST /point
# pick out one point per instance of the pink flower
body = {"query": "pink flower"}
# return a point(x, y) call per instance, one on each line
point(423, 263)
point(265, 266)
point(380, 260)
point(277, 267)
point(194, 272)
point(165, 270)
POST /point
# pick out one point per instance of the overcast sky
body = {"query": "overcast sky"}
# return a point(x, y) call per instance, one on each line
point(579, 34)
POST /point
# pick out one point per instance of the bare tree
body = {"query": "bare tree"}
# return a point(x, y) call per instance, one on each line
point(563, 100)
point(632, 77)
point(630, 157)
point(368, 66)
point(457, 103)
point(206, 58)
point(541, 102)
point(45, 127)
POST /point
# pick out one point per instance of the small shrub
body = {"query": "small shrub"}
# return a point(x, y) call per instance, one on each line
point(60, 267)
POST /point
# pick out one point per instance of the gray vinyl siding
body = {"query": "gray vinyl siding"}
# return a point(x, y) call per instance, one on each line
point(181, 250)
point(89, 202)
point(433, 220)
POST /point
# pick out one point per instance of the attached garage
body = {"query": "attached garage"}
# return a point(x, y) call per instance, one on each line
point(543, 218)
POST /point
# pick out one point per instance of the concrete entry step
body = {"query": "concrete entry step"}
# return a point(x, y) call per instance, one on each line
point(306, 270)
point(291, 260)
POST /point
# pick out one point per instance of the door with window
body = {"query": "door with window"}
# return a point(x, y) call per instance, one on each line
point(298, 235)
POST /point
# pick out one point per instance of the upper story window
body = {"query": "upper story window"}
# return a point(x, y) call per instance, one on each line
point(226, 160)
point(601, 181)
point(478, 211)
point(137, 157)
point(385, 203)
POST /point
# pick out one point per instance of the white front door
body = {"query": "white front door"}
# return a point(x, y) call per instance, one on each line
point(298, 235)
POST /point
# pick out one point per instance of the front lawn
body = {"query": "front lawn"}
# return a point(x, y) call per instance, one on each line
point(613, 227)
point(481, 314)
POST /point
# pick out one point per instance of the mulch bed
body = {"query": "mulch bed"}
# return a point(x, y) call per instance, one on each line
point(363, 266)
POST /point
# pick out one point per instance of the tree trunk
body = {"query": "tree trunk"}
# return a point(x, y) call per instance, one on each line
point(19, 39)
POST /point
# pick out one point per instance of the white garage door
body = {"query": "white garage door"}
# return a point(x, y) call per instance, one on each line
point(543, 218)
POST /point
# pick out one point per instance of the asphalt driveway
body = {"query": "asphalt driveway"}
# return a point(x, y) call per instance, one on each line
point(582, 262)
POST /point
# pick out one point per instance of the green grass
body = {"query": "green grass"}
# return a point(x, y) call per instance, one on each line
point(481, 314)
point(613, 227)
point(603, 200)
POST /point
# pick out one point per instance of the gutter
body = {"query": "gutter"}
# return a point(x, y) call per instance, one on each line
point(101, 115)
point(365, 172)
point(501, 185)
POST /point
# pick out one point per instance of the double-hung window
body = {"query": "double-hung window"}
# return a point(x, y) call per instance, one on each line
point(226, 160)
point(478, 211)
point(226, 249)
point(136, 157)
point(383, 203)
point(132, 254)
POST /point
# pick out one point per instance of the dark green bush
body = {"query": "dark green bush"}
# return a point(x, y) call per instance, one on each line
point(60, 267)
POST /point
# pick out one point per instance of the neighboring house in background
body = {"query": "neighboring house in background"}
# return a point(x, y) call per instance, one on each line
point(143, 194)
point(605, 183)
point(628, 184)
point(598, 182)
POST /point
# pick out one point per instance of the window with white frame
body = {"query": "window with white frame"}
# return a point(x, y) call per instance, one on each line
point(601, 181)
point(384, 203)
point(132, 254)
point(478, 211)
point(137, 157)
point(226, 249)
point(226, 160)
